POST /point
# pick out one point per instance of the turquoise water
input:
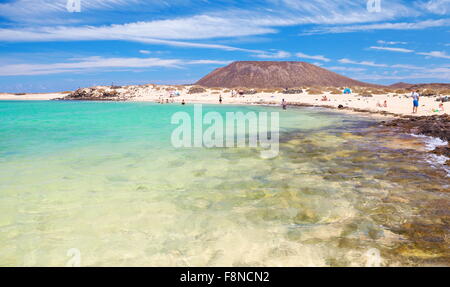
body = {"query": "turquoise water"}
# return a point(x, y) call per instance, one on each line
point(103, 178)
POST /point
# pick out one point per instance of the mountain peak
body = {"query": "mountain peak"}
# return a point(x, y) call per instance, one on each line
point(275, 74)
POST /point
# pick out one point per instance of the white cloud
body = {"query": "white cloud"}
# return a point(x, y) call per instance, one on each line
point(392, 49)
point(208, 62)
point(381, 26)
point(341, 11)
point(407, 67)
point(317, 58)
point(346, 69)
point(38, 11)
point(434, 74)
point(102, 33)
point(190, 28)
point(436, 54)
point(363, 63)
point(144, 52)
point(441, 7)
point(266, 12)
point(162, 32)
point(372, 64)
point(391, 42)
point(275, 55)
point(215, 24)
point(98, 63)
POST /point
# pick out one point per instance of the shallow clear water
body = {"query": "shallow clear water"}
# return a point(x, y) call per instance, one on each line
point(104, 178)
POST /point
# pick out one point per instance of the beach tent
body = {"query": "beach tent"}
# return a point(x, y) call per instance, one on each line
point(347, 91)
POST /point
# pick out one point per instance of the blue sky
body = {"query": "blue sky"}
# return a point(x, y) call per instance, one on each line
point(44, 47)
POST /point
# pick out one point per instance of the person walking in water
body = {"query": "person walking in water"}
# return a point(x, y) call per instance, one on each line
point(415, 95)
point(284, 104)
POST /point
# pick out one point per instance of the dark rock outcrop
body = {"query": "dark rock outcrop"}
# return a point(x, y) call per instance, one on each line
point(93, 94)
point(443, 150)
point(196, 90)
point(434, 126)
point(292, 91)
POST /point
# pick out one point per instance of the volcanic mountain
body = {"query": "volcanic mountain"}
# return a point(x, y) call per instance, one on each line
point(266, 74)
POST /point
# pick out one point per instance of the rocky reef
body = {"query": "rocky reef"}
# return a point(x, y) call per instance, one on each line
point(96, 94)
point(437, 126)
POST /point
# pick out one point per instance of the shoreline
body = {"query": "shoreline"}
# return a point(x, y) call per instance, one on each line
point(31, 97)
point(362, 102)
point(346, 109)
point(386, 117)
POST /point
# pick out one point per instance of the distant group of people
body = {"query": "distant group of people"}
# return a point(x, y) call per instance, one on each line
point(169, 101)
point(165, 101)
point(415, 95)
point(384, 105)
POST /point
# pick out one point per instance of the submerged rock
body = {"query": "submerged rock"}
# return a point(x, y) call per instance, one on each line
point(443, 150)
point(436, 126)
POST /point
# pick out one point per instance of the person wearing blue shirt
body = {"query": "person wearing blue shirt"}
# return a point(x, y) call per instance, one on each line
point(415, 95)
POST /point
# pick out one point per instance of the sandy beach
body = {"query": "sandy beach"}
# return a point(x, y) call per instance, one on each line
point(397, 104)
point(30, 97)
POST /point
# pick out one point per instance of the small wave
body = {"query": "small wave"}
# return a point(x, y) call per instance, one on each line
point(431, 143)
point(438, 161)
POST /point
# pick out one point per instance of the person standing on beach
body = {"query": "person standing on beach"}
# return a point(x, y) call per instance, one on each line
point(284, 104)
point(415, 95)
point(220, 99)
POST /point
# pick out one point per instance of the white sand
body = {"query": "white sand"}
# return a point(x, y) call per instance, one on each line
point(399, 105)
point(30, 97)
